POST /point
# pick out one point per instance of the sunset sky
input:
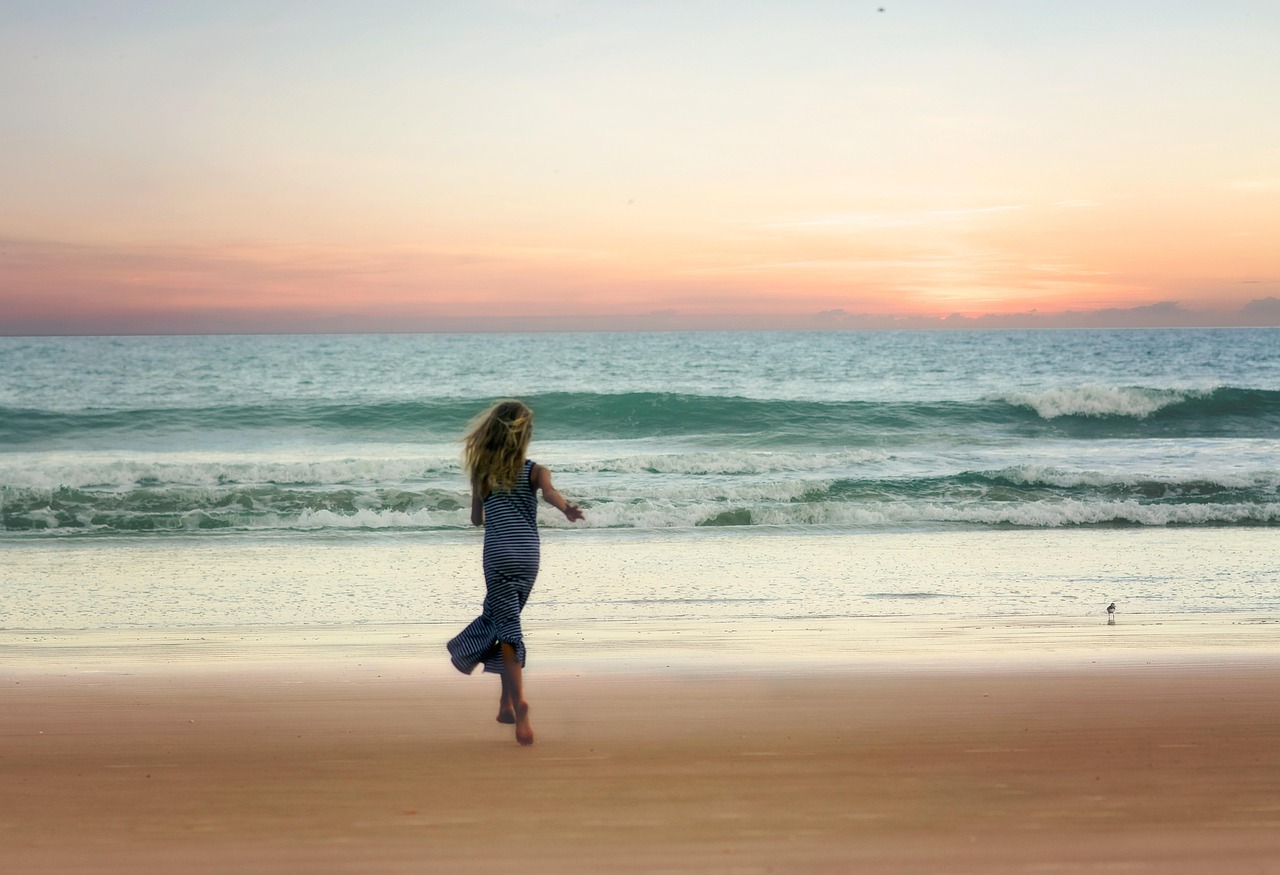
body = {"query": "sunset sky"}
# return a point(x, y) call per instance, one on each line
point(369, 166)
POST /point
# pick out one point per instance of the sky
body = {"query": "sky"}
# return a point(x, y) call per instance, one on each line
point(554, 165)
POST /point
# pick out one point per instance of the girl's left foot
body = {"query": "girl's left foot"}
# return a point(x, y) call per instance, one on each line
point(524, 730)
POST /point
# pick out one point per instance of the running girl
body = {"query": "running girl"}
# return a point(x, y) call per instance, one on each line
point(504, 486)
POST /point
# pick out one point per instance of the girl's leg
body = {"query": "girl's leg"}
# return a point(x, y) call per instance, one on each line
point(506, 705)
point(513, 679)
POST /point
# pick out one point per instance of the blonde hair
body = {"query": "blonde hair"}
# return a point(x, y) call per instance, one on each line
point(495, 445)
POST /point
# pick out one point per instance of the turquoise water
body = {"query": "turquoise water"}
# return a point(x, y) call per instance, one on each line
point(147, 437)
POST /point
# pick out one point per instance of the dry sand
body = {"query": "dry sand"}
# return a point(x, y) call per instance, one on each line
point(1170, 769)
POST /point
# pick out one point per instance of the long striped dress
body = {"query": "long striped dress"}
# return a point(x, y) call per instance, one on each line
point(511, 554)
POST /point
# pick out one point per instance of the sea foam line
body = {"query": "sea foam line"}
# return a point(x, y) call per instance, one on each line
point(1095, 400)
point(684, 515)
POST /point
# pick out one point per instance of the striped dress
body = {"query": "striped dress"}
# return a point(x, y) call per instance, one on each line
point(511, 554)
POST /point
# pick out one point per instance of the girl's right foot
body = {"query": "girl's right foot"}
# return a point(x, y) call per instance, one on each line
point(506, 711)
point(524, 730)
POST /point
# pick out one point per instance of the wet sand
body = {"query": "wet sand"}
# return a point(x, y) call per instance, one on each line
point(1172, 768)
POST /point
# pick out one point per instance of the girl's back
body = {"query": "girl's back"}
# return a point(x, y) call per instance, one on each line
point(511, 543)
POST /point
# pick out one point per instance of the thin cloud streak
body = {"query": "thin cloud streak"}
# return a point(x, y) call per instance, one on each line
point(891, 220)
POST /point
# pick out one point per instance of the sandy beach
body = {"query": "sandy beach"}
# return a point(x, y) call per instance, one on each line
point(933, 702)
point(1165, 768)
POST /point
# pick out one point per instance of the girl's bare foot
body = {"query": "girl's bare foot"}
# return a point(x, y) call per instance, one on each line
point(524, 730)
point(506, 711)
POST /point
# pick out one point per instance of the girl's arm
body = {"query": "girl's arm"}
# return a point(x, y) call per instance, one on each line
point(477, 505)
point(541, 476)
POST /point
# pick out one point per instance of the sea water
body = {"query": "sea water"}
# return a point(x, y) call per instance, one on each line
point(148, 482)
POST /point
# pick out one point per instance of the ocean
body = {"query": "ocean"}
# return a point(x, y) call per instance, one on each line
point(122, 458)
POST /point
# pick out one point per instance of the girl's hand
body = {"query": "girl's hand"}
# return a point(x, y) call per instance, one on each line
point(540, 477)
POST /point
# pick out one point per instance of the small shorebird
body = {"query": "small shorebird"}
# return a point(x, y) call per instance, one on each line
point(1111, 608)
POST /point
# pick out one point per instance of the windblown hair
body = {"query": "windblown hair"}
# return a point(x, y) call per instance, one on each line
point(495, 445)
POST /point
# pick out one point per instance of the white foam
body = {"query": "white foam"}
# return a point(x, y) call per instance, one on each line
point(1052, 514)
point(1096, 400)
point(378, 519)
point(126, 474)
point(1041, 514)
point(1034, 475)
point(728, 462)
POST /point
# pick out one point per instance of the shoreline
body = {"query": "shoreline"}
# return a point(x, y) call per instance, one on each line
point(1168, 768)
point(610, 576)
point(559, 647)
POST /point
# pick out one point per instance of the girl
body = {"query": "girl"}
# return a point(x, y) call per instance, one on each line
point(504, 500)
